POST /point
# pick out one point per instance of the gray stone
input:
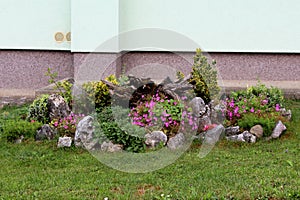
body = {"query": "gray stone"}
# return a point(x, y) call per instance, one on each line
point(216, 115)
point(57, 106)
point(257, 130)
point(110, 147)
point(279, 128)
point(84, 135)
point(45, 132)
point(232, 130)
point(177, 141)
point(64, 142)
point(213, 135)
point(286, 113)
point(19, 140)
point(199, 108)
point(246, 136)
point(155, 138)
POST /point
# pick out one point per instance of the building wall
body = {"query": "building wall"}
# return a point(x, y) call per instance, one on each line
point(249, 39)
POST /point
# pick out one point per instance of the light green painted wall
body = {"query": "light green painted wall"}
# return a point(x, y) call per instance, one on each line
point(221, 25)
point(32, 24)
point(93, 23)
point(215, 25)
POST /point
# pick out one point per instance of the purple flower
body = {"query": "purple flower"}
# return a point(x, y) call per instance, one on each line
point(236, 110)
point(265, 101)
point(277, 107)
point(252, 110)
point(231, 104)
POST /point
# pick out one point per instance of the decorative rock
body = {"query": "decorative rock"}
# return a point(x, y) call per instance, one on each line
point(286, 113)
point(19, 140)
point(176, 141)
point(216, 115)
point(110, 147)
point(198, 106)
point(257, 130)
point(57, 106)
point(45, 132)
point(232, 130)
point(155, 138)
point(84, 135)
point(213, 135)
point(64, 142)
point(279, 128)
point(243, 137)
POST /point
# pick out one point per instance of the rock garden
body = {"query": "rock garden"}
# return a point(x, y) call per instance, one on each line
point(135, 114)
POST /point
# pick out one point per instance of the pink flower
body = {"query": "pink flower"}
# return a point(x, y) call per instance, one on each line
point(66, 127)
point(32, 121)
point(252, 110)
point(236, 110)
point(277, 107)
point(55, 124)
point(205, 128)
point(167, 124)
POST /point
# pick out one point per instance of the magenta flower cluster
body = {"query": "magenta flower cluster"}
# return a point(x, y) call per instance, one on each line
point(67, 125)
point(158, 110)
point(236, 109)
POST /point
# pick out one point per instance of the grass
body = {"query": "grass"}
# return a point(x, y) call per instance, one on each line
point(264, 170)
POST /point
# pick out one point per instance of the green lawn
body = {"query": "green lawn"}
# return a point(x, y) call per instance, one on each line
point(264, 170)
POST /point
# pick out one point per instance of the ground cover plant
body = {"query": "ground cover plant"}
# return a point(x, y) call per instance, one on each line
point(255, 105)
point(264, 170)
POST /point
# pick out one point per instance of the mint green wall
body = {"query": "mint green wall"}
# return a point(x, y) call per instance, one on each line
point(215, 25)
point(32, 24)
point(221, 25)
point(93, 23)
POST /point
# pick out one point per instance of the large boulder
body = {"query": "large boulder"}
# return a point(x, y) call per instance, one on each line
point(84, 135)
point(199, 108)
point(176, 142)
point(214, 135)
point(155, 138)
point(45, 132)
point(57, 107)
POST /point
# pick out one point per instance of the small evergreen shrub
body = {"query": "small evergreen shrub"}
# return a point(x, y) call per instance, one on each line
point(204, 77)
point(38, 110)
point(97, 92)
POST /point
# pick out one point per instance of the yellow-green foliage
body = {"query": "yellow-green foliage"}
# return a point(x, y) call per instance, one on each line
point(204, 77)
point(98, 92)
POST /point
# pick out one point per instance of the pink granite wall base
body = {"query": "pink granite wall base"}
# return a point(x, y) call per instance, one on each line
point(26, 69)
point(231, 66)
point(22, 69)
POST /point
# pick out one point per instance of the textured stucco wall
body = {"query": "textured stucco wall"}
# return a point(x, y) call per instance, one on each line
point(24, 71)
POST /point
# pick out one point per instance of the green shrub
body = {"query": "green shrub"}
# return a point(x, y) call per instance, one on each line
point(272, 94)
point(97, 92)
point(13, 129)
point(268, 122)
point(38, 110)
point(115, 125)
point(204, 77)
